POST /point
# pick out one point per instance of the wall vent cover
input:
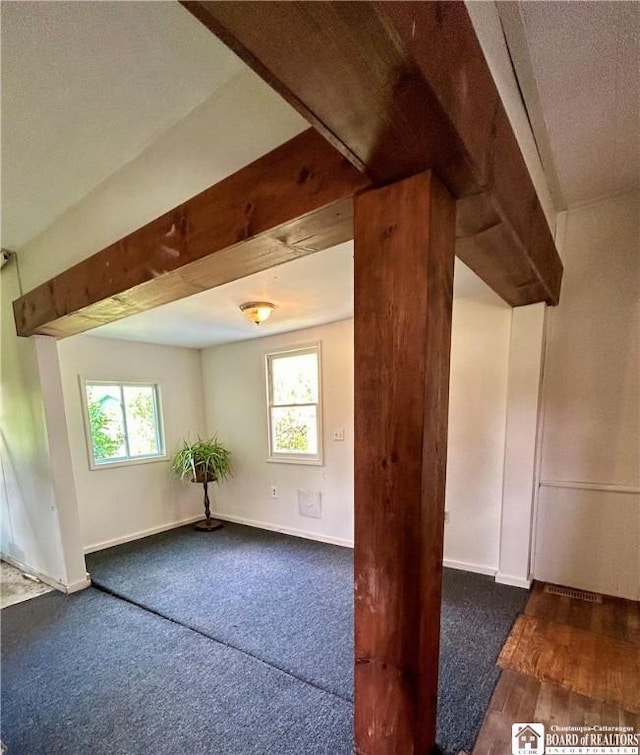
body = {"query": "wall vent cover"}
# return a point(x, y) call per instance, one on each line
point(568, 592)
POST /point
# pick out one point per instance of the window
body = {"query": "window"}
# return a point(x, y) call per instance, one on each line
point(293, 392)
point(123, 422)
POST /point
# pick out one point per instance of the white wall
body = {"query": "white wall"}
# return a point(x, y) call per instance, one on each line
point(234, 380)
point(119, 503)
point(588, 523)
point(523, 402)
point(477, 410)
point(243, 120)
point(141, 191)
point(179, 164)
point(39, 516)
point(182, 162)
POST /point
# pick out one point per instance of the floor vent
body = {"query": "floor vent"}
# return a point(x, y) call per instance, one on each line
point(568, 592)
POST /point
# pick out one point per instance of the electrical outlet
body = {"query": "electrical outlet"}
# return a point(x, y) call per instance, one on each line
point(337, 433)
point(274, 491)
point(446, 516)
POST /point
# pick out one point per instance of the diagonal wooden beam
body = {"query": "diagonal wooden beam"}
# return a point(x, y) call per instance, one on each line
point(294, 201)
point(390, 97)
point(399, 87)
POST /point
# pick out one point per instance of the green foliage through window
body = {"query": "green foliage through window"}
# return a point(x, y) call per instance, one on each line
point(291, 435)
point(106, 439)
point(294, 404)
point(123, 421)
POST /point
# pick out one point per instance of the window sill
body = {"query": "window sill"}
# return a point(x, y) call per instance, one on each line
point(295, 460)
point(127, 462)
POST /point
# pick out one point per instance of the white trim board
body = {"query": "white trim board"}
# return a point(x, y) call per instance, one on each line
point(502, 579)
point(600, 487)
point(284, 530)
point(142, 533)
point(509, 579)
point(450, 564)
point(467, 566)
point(294, 532)
point(56, 584)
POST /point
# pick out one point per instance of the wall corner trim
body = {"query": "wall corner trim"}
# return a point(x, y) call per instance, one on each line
point(513, 581)
point(55, 583)
point(468, 566)
point(81, 584)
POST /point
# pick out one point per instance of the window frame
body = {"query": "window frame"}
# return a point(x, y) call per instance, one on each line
point(128, 460)
point(280, 457)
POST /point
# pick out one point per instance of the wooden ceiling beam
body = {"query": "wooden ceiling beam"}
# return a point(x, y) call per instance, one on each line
point(294, 201)
point(245, 224)
point(400, 87)
point(396, 87)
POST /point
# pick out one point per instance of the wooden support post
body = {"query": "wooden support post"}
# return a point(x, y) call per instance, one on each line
point(404, 250)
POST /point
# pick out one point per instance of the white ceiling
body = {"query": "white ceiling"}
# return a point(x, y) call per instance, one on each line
point(307, 291)
point(88, 86)
point(85, 87)
point(578, 64)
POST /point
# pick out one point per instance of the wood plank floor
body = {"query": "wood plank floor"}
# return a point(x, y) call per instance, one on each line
point(599, 667)
point(523, 698)
point(614, 617)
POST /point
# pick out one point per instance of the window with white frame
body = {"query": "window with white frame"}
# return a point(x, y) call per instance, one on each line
point(294, 395)
point(123, 422)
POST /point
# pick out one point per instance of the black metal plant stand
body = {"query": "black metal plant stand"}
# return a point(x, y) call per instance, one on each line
point(207, 524)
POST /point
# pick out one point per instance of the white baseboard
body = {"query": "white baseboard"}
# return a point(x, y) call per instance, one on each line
point(56, 584)
point(468, 566)
point(284, 530)
point(509, 579)
point(77, 586)
point(294, 532)
point(142, 533)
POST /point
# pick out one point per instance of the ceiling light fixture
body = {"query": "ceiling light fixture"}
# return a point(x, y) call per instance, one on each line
point(257, 311)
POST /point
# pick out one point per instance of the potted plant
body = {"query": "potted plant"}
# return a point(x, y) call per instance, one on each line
point(204, 461)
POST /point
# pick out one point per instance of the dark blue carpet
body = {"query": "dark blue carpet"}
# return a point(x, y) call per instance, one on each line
point(93, 675)
point(477, 615)
point(257, 626)
point(289, 602)
point(286, 600)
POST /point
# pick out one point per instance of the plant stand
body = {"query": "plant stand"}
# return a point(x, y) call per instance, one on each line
point(207, 524)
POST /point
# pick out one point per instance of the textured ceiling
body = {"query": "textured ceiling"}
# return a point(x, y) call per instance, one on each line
point(579, 67)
